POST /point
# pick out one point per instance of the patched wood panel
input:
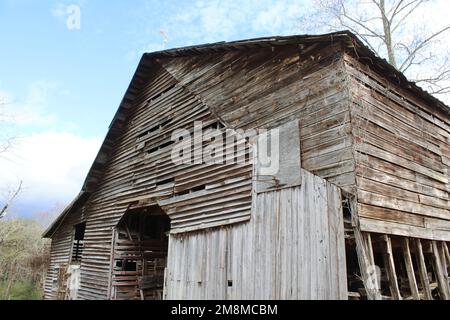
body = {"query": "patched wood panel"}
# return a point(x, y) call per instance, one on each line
point(292, 248)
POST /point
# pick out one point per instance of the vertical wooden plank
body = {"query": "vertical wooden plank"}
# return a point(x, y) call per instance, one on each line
point(301, 236)
point(333, 243)
point(442, 247)
point(368, 239)
point(376, 281)
point(337, 213)
point(363, 257)
point(447, 255)
point(442, 281)
point(308, 239)
point(295, 240)
point(111, 263)
point(365, 265)
point(423, 271)
point(389, 259)
point(410, 269)
point(325, 286)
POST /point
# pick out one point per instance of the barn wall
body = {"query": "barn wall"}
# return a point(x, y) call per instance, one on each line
point(264, 88)
point(60, 253)
point(140, 172)
point(309, 85)
point(402, 150)
point(292, 248)
point(288, 84)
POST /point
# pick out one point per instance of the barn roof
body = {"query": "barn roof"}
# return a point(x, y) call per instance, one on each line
point(348, 40)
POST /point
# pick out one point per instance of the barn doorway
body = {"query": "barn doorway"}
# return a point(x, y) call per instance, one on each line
point(140, 254)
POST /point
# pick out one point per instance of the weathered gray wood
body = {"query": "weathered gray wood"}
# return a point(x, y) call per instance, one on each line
point(410, 269)
point(278, 158)
point(446, 252)
point(390, 265)
point(423, 273)
point(302, 224)
point(367, 268)
point(442, 254)
point(357, 128)
point(439, 272)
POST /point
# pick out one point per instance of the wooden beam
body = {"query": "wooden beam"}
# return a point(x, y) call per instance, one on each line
point(374, 267)
point(111, 263)
point(365, 266)
point(441, 247)
point(445, 261)
point(423, 271)
point(447, 255)
point(410, 269)
point(368, 238)
point(444, 265)
point(368, 273)
point(389, 260)
point(442, 280)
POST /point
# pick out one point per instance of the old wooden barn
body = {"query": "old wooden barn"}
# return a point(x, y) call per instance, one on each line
point(358, 207)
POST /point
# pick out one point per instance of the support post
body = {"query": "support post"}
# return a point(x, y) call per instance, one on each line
point(442, 281)
point(370, 280)
point(390, 265)
point(410, 269)
point(423, 271)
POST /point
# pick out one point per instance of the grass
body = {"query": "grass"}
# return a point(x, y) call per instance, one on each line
point(22, 290)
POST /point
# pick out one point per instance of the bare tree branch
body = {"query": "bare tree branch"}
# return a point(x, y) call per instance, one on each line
point(391, 29)
point(4, 210)
point(421, 45)
point(405, 16)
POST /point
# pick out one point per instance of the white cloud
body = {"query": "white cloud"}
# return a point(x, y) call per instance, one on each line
point(31, 109)
point(59, 11)
point(210, 21)
point(280, 18)
point(52, 166)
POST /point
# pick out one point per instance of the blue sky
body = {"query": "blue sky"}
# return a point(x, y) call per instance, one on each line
point(62, 86)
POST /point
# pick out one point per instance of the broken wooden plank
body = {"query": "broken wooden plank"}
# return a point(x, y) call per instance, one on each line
point(410, 269)
point(423, 271)
point(439, 272)
point(367, 268)
point(392, 275)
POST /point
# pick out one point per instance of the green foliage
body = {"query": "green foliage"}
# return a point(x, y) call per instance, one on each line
point(23, 259)
point(22, 290)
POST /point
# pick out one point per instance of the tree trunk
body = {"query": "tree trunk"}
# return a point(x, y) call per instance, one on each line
point(388, 35)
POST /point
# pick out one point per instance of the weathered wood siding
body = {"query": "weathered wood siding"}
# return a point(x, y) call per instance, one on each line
point(264, 88)
point(292, 248)
point(140, 172)
point(402, 147)
point(257, 88)
point(60, 254)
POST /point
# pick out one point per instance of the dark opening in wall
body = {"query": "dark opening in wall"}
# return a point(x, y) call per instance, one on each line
point(199, 188)
point(129, 265)
point(165, 181)
point(78, 241)
point(161, 124)
point(161, 146)
point(160, 94)
point(140, 254)
point(165, 122)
